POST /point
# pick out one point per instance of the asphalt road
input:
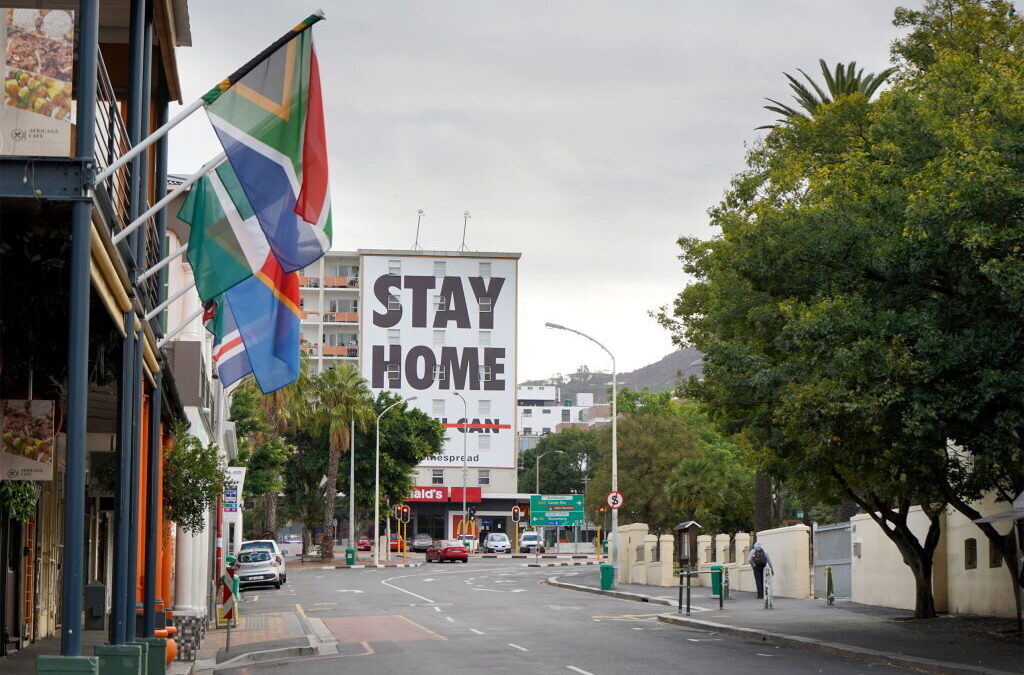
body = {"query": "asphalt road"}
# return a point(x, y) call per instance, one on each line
point(498, 617)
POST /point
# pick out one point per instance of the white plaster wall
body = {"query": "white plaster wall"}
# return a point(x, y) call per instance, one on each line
point(879, 576)
point(789, 549)
point(984, 590)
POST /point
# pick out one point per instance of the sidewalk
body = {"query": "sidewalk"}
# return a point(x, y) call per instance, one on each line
point(948, 644)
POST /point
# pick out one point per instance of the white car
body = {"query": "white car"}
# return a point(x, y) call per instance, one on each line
point(256, 567)
point(497, 542)
point(469, 541)
point(530, 542)
point(275, 551)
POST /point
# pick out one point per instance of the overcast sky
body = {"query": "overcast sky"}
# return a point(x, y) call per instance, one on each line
point(586, 135)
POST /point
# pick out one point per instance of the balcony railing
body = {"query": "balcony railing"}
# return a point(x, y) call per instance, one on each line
point(343, 351)
point(311, 316)
point(310, 348)
point(341, 317)
point(341, 282)
point(309, 282)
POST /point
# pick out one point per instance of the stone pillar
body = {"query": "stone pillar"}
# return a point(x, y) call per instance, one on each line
point(184, 568)
point(721, 549)
point(703, 550)
point(624, 555)
point(666, 544)
point(742, 547)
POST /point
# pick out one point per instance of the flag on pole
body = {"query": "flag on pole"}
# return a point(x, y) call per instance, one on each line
point(226, 244)
point(265, 307)
point(269, 118)
point(229, 355)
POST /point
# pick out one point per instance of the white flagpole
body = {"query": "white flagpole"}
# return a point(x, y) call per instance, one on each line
point(177, 294)
point(169, 197)
point(170, 336)
point(163, 263)
point(149, 140)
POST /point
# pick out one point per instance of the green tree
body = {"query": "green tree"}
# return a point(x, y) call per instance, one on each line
point(193, 479)
point(304, 486)
point(845, 80)
point(567, 466)
point(337, 398)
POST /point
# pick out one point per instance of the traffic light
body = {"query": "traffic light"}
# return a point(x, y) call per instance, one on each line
point(517, 514)
point(472, 514)
point(601, 509)
point(405, 514)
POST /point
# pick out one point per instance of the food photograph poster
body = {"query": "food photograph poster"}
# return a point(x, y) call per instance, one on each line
point(37, 47)
point(28, 439)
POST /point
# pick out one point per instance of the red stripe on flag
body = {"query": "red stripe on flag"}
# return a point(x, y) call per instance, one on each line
point(226, 347)
point(457, 425)
point(313, 194)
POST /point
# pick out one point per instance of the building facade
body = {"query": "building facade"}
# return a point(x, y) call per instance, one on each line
point(329, 297)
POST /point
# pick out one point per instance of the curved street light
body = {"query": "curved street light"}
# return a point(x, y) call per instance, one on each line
point(376, 484)
point(612, 540)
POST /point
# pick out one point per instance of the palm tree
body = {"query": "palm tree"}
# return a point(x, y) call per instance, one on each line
point(846, 79)
point(339, 397)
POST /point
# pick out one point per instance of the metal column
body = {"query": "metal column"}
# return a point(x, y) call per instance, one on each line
point(78, 342)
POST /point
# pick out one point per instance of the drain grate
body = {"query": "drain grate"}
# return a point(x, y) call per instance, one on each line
point(256, 622)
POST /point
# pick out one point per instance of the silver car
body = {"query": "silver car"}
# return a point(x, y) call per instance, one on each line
point(497, 542)
point(256, 567)
point(275, 551)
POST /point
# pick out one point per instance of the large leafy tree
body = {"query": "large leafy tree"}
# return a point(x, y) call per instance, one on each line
point(860, 314)
point(337, 398)
point(567, 464)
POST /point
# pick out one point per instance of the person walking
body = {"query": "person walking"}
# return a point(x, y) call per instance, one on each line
point(758, 560)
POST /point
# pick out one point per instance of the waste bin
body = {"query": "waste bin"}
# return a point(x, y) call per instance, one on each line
point(607, 576)
point(604, 546)
point(350, 556)
point(716, 580)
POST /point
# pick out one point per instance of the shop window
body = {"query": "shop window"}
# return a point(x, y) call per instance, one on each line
point(437, 477)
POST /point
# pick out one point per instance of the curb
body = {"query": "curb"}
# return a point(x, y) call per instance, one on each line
point(210, 665)
point(546, 557)
point(564, 564)
point(834, 648)
point(368, 567)
point(809, 644)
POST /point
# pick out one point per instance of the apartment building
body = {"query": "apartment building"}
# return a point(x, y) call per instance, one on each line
point(540, 411)
point(329, 295)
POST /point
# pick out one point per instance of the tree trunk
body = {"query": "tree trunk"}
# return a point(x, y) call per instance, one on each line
point(762, 502)
point(272, 513)
point(307, 540)
point(327, 543)
point(846, 511)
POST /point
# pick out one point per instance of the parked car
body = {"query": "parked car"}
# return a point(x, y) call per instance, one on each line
point(364, 544)
point(291, 545)
point(275, 551)
point(530, 542)
point(469, 541)
point(497, 542)
point(396, 543)
point(447, 549)
point(257, 567)
point(421, 542)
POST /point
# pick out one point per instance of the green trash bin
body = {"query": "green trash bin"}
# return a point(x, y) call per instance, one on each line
point(716, 580)
point(607, 576)
point(604, 546)
point(350, 556)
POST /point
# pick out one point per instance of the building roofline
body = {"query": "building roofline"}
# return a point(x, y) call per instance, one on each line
point(439, 254)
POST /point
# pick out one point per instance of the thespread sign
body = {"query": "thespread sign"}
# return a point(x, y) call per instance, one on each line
point(428, 494)
point(37, 47)
point(434, 326)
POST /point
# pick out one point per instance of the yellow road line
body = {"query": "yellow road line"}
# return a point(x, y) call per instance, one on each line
point(424, 628)
point(301, 611)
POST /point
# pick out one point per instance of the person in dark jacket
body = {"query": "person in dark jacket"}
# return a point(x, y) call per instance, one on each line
point(758, 560)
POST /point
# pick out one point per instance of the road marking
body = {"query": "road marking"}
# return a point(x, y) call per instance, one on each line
point(437, 609)
point(448, 618)
point(579, 670)
point(637, 628)
point(426, 580)
point(301, 611)
point(490, 590)
point(759, 654)
point(415, 595)
point(704, 639)
point(254, 598)
point(437, 635)
point(515, 646)
point(325, 603)
point(478, 632)
point(348, 590)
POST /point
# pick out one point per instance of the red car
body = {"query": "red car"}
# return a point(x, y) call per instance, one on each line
point(363, 544)
point(396, 543)
point(447, 549)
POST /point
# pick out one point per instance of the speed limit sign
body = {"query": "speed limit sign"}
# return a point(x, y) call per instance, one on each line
point(615, 499)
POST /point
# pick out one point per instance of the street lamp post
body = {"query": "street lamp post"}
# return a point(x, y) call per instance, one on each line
point(376, 485)
point(612, 540)
point(465, 468)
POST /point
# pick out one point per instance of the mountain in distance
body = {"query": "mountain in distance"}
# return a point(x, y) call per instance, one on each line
point(662, 375)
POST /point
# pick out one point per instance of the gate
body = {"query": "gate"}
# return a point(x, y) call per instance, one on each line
point(833, 547)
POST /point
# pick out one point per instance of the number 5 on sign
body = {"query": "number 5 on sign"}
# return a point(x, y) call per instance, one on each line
point(615, 499)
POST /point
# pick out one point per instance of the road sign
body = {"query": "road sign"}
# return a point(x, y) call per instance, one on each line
point(615, 499)
point(556, 510)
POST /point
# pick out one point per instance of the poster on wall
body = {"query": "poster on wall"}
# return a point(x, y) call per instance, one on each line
point(37, 46)
point(443, 329)
point(28, 439)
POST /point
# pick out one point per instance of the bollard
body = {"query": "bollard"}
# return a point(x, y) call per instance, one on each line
point(768, 601)
point(830, 593)
point(725, 583)
point(680, 610)
point(688, 576)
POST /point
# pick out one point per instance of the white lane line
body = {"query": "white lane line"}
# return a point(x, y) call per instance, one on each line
point(437, 609)
point(478, 632)
point(448, 618)
point(514, 646)
point(579, 670)
point(415, 595)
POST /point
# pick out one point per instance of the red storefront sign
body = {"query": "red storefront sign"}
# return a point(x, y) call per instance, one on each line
point(473, 494)
point(428, 494)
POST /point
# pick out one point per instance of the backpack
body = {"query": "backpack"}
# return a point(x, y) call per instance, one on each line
point(758, 558)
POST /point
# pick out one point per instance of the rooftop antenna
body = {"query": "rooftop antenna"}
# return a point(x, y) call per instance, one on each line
point(419, 217)
point(465, 219)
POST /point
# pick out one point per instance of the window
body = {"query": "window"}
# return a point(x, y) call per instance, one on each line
point(485, 270)
point(394, 336)
point(485, 407)
point(439, 373)
point(394, 304)
point(484, 442)
point(546, 411)
point(545, 431)
point(439, 268)
point(527, 412)
point(483, 477)
point(566, 415)
point(485, 338)
point(437, 477)
point(485, 305)
point(438, 407)
point(392, 371)
point(440, 304)
point(485, 373)
point(970, 554)
point(995, 558)
point(395, 268)
point(527, 431)
point(438, 338)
